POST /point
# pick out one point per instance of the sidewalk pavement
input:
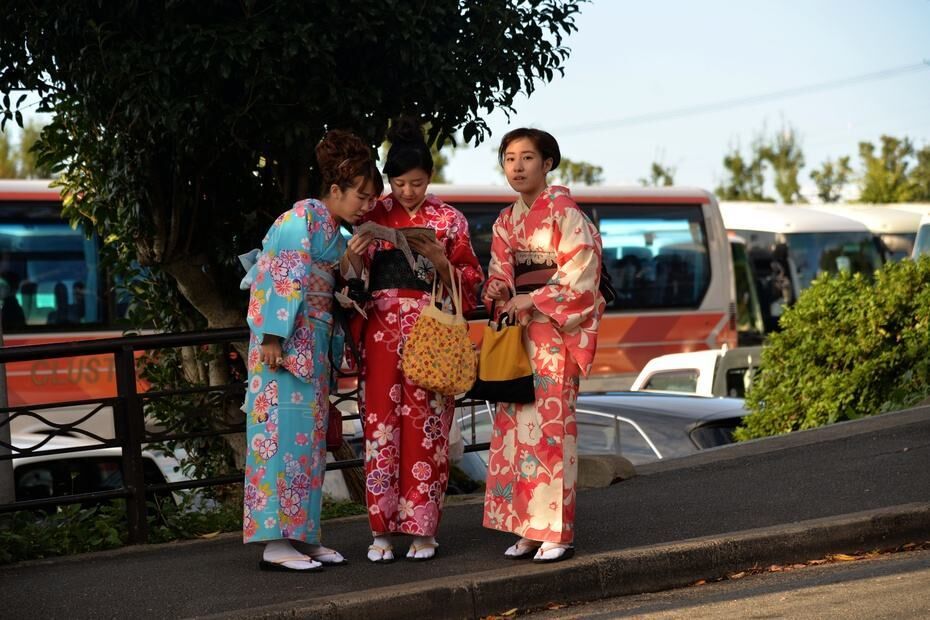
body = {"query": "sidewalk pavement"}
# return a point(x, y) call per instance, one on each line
point(852, 486)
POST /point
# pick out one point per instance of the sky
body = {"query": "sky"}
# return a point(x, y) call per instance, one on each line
point(630, 59)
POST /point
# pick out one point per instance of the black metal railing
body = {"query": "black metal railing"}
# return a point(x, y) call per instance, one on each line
point(128, 411)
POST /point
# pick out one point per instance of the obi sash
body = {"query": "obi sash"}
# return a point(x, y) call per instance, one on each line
point(533, 270)
point(389, 269)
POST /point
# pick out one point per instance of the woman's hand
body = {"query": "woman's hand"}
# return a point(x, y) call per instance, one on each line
point(434, 252)
point(519, 308)
point(351, 264)
point(496, 290)
point(358, 243)
point(272, 355)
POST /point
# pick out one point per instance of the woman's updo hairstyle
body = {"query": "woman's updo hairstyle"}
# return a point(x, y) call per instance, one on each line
point(343, 157)
point(408, 148)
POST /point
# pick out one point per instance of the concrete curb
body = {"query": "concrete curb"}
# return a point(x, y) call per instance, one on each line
point(618, 573)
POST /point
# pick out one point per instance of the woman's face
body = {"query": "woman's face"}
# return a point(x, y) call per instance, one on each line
point(348, 205)
point(525, 167)
point(409, 189)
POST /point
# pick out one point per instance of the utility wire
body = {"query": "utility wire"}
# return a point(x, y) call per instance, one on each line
point(704, 108)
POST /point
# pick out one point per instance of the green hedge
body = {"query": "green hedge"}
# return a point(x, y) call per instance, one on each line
point(850, 347)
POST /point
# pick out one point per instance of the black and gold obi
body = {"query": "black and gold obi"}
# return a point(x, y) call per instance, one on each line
point(533, 270)
point(390, 269)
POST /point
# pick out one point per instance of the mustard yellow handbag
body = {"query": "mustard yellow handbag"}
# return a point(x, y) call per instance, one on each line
point(438, 355)
point(504, 371)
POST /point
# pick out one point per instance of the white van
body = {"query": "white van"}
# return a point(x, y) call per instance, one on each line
point(713, 373)
point(896, 228)
point(789, 246)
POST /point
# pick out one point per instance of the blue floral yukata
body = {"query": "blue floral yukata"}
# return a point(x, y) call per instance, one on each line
point(291, 296)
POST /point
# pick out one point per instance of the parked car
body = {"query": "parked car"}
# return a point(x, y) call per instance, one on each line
point(639, 426)
point(44, 476)
point(714, 372)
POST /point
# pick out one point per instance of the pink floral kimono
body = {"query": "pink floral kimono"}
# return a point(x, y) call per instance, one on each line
point(552, 251)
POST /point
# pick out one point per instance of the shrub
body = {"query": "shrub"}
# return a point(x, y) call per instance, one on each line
point(850, 347)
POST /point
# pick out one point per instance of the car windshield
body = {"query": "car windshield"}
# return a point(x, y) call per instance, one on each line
point(832, 252)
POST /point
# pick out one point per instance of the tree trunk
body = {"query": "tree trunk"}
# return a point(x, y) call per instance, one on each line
point(202, 291)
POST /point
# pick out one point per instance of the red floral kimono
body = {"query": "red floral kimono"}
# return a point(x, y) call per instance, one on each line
point(553, 252)
point(407, 427)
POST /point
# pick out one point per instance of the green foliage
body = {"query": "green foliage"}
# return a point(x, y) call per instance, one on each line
point(920, 176)
point(783, 152)
point(885, 176)
point(22, 162)
point(71, 529)
point(831, 178)
point(745, 176)
point(7, 157)
point(876, 358)
point(577, 172)
point(659, 176)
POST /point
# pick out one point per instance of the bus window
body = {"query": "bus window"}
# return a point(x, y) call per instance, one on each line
point(50, 276)
point(657, 258)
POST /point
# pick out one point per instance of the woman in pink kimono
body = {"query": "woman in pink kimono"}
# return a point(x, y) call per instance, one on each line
point(544, 272)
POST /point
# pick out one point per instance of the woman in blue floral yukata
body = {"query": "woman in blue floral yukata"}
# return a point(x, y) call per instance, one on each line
point(292, 342)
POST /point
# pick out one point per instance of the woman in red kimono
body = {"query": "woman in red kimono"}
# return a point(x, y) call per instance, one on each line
point(544, 272)
point(407, 427)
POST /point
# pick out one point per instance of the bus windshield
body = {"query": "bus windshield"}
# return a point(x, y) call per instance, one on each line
point(832, 252)
point(49, 275)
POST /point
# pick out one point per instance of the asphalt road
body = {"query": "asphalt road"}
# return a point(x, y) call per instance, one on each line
point(893, 587)
point(874, 465)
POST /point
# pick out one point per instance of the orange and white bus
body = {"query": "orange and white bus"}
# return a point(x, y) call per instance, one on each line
point(669, 258)
point(53, 288)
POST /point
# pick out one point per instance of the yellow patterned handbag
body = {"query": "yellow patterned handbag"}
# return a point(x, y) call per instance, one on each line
point(438, 355)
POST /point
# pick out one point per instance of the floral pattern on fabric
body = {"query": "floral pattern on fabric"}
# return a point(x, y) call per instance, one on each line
point(532, 464)
point(286, 419)
point(407, 427)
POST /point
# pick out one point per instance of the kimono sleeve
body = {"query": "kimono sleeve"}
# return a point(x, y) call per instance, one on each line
point(276, 294)
point(571, 296)
point(461, 256)
point(501, 265)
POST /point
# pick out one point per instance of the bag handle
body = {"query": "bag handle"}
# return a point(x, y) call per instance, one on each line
point(454, 291)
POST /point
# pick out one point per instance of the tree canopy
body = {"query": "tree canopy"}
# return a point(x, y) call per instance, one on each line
point(182, 129)
point(897, 173)
point(570, 172)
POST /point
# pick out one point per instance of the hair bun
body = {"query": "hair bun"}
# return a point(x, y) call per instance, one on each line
point(405, 130)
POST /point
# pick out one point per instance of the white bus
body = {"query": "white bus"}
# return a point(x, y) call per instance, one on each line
point(896, 228)
point(789, 246)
